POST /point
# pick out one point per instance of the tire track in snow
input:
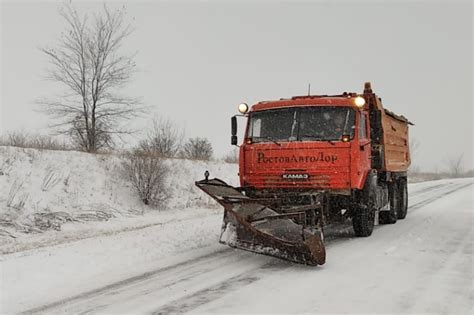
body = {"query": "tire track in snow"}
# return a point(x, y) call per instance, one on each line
point(211, 276)
point(117, 286)
point(432, 199)
point(430, 188)
point(198, 268)
point(428, 191)
point(211, 293)
point(204, 296)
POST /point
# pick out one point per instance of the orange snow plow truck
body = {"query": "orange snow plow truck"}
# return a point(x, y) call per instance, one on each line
point(309, 161)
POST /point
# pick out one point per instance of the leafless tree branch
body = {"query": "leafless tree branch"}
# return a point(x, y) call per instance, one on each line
point(455, 166)
point(88, 64)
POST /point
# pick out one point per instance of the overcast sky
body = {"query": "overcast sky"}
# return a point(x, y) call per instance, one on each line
point(198, 60)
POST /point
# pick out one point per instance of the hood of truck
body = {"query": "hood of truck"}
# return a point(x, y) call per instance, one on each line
point(307, 165)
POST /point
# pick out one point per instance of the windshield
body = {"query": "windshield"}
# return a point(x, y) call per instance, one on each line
point(324, 123)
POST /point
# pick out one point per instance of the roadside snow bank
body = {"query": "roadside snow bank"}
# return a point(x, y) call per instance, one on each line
point(44, 275)
point(69, 193)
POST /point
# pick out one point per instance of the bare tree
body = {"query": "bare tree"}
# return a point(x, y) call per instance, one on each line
point(165, 139)
point(147, 173)
point(198, 149)
point(87, 62)
point(455, 167)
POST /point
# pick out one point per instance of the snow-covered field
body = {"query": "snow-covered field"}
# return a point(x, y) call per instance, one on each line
point(169, 261)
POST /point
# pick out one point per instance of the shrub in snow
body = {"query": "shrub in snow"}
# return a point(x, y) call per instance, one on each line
point(17, 139)
point(164, 139)
point(23, 139)
point(197, 149)
point(147, 173)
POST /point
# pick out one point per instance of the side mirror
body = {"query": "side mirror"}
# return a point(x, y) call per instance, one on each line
point(233, 121)
point(233, 138)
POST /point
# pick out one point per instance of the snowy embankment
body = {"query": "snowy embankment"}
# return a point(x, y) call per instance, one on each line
point(51, 197)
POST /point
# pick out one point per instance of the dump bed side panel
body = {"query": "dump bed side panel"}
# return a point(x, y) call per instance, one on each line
point(396, 145)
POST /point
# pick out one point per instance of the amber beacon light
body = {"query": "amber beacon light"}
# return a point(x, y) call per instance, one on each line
point(359, 101)
point(243, 108)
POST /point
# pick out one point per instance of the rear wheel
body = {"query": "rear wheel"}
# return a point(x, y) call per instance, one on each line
point(403, 197)
point(391, 216)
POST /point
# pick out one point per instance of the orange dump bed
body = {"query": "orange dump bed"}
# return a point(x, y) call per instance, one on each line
point(395, 141)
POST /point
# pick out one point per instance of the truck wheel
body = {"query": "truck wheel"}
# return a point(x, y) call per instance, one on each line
point(403, 197)
point(391, 216)
point(363, 221)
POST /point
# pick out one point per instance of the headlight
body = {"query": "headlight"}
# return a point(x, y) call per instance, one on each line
point(359, 101)
point(243, 108)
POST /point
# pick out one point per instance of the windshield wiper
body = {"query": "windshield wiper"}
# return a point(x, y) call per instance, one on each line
point(317, 139)
point(268, 138)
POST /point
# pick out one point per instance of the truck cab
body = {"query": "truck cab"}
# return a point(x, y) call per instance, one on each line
point(306, 143)
point(344, 148)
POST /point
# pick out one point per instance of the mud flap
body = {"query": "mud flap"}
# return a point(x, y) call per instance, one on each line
point(251, 225)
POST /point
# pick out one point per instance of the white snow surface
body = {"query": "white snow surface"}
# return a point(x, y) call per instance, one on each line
point(77, 183)
point(170, 260)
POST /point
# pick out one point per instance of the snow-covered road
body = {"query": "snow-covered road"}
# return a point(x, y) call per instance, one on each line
point(420, 264)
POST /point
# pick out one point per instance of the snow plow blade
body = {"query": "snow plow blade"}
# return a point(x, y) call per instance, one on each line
point(252, 225)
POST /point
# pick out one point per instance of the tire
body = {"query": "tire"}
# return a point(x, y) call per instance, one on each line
point(363, 221)
point(363, 217)
point(403, 197)
point(391, 216)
